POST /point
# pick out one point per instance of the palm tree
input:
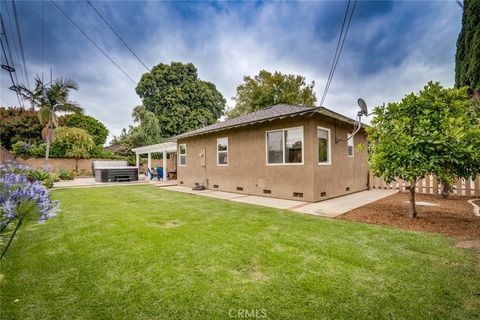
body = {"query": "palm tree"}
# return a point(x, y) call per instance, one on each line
point(50, 98)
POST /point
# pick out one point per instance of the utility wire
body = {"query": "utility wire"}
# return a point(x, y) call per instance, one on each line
point(93, 42)
point(116, 33)
point(336, 52)
point(6, 59)
point(15, 15)
point(14, 41)
point(339, 48)
point(8, 45)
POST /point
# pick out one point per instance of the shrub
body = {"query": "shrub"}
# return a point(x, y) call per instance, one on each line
point(65, 174)
point(38, 175)
point(54, 176)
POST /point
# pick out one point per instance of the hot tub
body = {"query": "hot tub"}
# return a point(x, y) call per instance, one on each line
point(114, 171)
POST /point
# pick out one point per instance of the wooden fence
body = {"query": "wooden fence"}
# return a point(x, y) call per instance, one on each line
point(430, 185)
point(5, 155)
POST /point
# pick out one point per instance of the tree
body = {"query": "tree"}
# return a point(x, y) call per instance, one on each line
point(97, 130)
point(50, 98)
point(78, 143)
point(179, 99)
point(436, 131)
point(148, 131)
point(267, 89)
point(18, 124)
point(467, 58)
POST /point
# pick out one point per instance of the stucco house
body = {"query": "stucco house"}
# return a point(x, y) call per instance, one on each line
point(285, 151)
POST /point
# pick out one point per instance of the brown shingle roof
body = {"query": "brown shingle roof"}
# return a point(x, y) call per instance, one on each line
point(266, 114)
point(278, 111)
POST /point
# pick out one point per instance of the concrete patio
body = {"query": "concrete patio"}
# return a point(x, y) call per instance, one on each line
point(329, 208)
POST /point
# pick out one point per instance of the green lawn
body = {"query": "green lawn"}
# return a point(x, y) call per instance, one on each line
point(138, 252)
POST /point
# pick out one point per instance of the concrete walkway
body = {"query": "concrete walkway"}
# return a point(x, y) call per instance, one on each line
point(337, 206)
point(90, 182)
point(328, 208)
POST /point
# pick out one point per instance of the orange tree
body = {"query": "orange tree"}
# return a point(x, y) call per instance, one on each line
point(436, 131)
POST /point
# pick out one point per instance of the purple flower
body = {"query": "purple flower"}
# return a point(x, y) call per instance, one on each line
point(21, 198)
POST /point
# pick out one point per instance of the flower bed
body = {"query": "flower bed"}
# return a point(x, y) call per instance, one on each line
point(22, 198)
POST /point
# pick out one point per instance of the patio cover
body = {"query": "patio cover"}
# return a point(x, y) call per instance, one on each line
point(163, 148)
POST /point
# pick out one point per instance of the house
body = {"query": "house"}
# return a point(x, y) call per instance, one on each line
point(284, 151)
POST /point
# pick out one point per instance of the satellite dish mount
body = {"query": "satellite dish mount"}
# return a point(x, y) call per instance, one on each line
point(358, 123)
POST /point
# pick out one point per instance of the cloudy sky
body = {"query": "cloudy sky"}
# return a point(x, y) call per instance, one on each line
point(392, 48)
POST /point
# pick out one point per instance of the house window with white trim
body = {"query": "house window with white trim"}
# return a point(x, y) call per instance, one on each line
point(285, 146)
point(222, 151)
point(182, 153)
point(323, 143)
point(350, 151)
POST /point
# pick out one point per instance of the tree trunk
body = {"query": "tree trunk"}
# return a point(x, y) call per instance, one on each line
point(411, 197)
point(76, 166)
point(47, 149)
point(445, 189)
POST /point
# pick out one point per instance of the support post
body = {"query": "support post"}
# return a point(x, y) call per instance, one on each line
point(164, 158)
point(137, 162)
point(149, 164)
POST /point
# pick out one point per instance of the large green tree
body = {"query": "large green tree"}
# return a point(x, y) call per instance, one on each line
point(97, 130)
point(467, 67)
point(179, 99)
point(436, 131)
point(18, 124)
point(50, 98)
point(267, 89)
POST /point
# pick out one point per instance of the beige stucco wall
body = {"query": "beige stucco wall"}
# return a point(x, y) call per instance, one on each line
point(247, 166)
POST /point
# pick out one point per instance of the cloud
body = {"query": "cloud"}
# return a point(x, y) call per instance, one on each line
point(392, 48)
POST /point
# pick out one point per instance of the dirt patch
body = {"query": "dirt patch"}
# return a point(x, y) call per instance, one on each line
point(452, 217)
point(468, 244)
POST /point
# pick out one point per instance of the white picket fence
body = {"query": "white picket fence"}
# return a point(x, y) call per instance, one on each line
point(430, 185)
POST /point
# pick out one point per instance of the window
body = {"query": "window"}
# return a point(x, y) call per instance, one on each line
point(323, 138)
point(350, 145)
point(285, 146)
point(182, 151)
point(222, 151)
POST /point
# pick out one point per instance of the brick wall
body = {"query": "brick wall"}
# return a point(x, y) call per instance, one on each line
point(84, 165)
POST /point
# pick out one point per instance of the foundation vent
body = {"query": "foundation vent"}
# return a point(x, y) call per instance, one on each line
point(347, 189)
point(181, 182)
point(323, 194)
point(215, 186)
point(239, 188)
point(266, 191)
point(196, 184)
point(298, 194)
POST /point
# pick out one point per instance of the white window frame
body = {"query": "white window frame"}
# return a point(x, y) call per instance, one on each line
point(350, 143)
point(218, 152)
point(329, 143)
point(283, 148)
point(180, 155)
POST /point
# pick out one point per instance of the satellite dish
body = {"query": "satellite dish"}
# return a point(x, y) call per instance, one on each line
point(363, 106)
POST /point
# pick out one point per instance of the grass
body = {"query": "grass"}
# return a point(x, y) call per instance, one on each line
point(138, 252)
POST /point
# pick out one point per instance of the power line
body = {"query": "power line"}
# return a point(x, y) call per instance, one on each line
point(9, 70)
point(15, 15)
point(118, 36)
point(7, 44)
point(14, 41)
point(93, 42)
point(339, 48)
